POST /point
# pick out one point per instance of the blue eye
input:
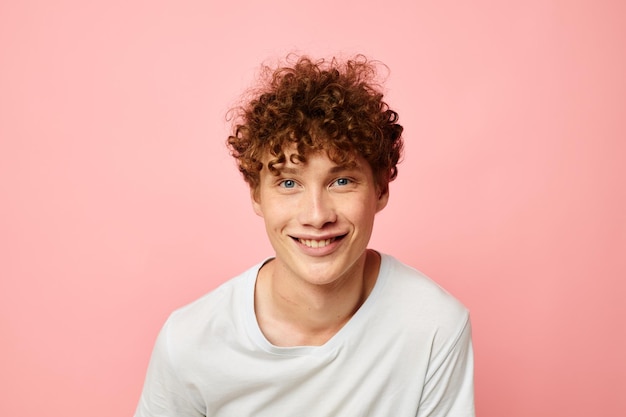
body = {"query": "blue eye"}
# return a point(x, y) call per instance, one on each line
point(342, 181)
point(288, 184)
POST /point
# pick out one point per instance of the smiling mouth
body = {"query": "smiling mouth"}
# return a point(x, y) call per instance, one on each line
point(312, 243)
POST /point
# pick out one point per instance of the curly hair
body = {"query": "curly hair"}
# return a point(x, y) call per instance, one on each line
point(313, 106)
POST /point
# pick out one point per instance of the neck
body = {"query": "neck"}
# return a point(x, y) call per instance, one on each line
point(296, 313)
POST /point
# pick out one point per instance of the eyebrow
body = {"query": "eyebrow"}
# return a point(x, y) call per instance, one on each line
point(334, 170)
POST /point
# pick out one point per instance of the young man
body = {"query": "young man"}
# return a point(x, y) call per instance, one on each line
point(327, 327)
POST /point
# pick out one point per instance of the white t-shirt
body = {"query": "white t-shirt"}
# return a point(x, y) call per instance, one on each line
point(407, 351)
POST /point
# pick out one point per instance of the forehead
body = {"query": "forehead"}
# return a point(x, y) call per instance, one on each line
point(291, 160)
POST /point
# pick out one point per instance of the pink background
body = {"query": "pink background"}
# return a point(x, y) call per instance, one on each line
point(119, 201)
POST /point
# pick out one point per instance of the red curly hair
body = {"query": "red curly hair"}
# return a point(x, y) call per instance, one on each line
point(317, 105)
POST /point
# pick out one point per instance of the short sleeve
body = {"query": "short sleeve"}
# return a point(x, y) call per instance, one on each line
point(449, 387)
point(164, 393)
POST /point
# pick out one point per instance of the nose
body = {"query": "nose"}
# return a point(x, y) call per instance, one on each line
point(317, 209)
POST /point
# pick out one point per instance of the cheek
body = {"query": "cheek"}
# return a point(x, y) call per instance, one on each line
point(363, 212)
point(276, 213)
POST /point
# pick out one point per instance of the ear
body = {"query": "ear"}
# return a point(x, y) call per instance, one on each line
point(256, 201)
point(383, 199)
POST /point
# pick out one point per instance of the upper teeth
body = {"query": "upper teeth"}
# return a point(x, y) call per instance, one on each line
point(315, 243)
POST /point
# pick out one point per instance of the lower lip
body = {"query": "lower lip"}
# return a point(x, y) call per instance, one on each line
point(321, 251)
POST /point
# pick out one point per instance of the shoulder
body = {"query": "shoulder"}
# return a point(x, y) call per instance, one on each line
point(420, 291)
point(417, 302)
point(221, 308)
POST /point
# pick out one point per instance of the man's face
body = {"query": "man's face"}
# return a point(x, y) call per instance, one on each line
point(318, 216)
